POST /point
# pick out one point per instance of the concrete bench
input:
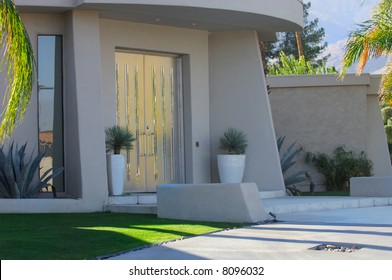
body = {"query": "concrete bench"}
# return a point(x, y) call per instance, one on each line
point(234, 202)
point(371, 186)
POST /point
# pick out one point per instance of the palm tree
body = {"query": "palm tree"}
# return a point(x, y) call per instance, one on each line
point(18, 62)
point(373, 38)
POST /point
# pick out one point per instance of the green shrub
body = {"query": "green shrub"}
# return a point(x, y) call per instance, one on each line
point(388, 132)
point(340, 167)
point(386, 113)
point(289, 65)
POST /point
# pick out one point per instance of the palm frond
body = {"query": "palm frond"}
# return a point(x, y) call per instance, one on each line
point(18, 62)
point(372, 38)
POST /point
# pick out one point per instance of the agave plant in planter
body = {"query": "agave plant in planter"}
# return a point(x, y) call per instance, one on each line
point(117, 139)
point(231, 165)
point(18, 173)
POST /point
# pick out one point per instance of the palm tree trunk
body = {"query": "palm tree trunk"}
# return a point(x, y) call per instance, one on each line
point(299, 44)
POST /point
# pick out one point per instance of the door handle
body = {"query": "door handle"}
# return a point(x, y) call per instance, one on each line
point(143, 154)
point(150, 144)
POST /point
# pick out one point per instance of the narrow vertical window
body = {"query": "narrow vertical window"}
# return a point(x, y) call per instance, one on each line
point(50, 105)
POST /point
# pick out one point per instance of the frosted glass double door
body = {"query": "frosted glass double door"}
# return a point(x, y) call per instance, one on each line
point(147, 103)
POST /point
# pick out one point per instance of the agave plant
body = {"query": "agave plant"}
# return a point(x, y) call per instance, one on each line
point(17, 173)
point(118, 138)
point(287, 160)
point(233, 142)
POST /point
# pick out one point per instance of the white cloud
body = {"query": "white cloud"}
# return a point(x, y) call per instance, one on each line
point(338, 17)
point(379, 71)
point(327, 17)
point(336, 50)
point(383, 61)
point(364, 13)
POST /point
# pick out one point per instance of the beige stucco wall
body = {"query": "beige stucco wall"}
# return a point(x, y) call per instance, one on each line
point(193, 45)
point(377, 146)
point(84, 129)
point(238, 98)
point(321, 113)
point(85, 165)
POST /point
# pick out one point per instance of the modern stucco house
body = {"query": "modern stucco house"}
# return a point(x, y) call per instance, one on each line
point(177, 73)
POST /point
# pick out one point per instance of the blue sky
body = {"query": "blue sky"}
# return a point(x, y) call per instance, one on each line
point(338, 18)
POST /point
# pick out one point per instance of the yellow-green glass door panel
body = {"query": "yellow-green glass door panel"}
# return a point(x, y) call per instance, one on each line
point(130, 113)
point(159, 116)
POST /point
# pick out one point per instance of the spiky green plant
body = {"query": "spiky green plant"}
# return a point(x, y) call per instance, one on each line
point(233, 141)
point(17, 173)
point(372, 38)
point(289, 65)
point(18, 60)
point(118, 138)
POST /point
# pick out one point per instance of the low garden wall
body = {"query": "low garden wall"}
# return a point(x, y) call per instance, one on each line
point(230, 202)
point(321, 112)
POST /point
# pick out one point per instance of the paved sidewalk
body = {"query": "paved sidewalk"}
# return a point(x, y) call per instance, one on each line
point(369, 228)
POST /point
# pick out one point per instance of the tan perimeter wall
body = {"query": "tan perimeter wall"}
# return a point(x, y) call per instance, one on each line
point(321, 113)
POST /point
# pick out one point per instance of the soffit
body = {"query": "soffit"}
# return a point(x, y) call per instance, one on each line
point(266, 19)
point(196, 18)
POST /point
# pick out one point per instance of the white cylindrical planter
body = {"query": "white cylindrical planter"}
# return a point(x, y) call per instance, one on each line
point(231, 168)
point(116, 174)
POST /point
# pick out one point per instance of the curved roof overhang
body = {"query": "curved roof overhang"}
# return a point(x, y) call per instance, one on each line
point(266, 17)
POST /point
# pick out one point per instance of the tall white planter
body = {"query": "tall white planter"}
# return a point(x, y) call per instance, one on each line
point(116, 174)
point(231, 168)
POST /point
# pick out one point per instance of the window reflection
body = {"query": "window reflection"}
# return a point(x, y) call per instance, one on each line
point(50, 102)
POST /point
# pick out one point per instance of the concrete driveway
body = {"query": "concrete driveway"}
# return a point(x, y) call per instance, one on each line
point(369, 229)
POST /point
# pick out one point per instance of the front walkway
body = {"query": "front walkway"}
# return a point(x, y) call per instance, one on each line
point(147, 203)
point(367, 228)
point(295, 204)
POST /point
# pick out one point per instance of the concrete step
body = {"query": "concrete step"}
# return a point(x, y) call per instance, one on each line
point(134, 209)
point(133, 199)
point(135, 203)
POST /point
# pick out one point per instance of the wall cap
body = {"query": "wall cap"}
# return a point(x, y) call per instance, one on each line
point(327, 80)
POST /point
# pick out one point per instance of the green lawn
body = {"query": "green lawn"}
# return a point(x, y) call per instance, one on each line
point(87, 236)
point(329, 193)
